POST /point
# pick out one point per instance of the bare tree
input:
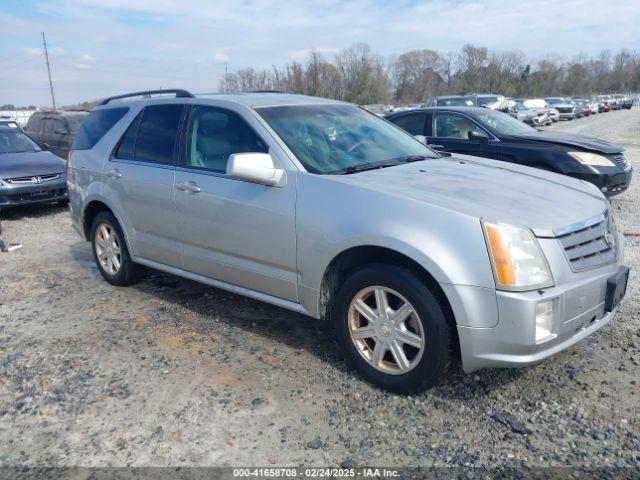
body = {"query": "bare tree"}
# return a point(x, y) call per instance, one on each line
point(363, 78)
point(359, 75)
point(415, 75)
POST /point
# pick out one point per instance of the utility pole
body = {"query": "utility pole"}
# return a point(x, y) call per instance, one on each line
point(46, 56)
point(226, 78)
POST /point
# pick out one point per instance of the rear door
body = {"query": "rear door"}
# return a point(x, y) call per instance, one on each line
point(232, 230)
point(413, 123)
point(449, 132)
point(59, 136)
point(140, 178)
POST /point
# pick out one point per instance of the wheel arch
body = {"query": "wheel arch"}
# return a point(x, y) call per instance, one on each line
point(353, 257)
point(91, 210)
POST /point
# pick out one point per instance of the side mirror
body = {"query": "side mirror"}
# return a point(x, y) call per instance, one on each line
point(45, 146)
point(478, 136)
point(421, 138)
point(256, 168)
point(60, 131)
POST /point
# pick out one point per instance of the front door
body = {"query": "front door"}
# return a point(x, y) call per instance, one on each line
point(233, 231)
point(449, 132)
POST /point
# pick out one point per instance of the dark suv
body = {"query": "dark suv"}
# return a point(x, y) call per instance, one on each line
point(55, 129)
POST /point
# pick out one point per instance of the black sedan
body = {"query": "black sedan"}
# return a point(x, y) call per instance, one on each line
point(29, 173)
point(487, 133)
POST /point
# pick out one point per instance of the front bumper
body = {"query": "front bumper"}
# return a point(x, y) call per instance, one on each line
point(29, 194)
point(578, 311)
point(610, 180)
point(567, 116)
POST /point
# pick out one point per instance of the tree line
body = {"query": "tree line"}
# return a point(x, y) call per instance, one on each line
point(358, 74)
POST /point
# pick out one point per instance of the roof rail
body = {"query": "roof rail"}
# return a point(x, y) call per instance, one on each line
point(179, 93)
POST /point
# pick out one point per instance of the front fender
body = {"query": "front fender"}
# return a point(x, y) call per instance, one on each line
point(447, 244)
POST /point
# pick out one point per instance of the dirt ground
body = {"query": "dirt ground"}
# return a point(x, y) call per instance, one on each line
point(170, 372)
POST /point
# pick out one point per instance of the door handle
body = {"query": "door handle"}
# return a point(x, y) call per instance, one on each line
point(115, 173)
point(435, 145)
point(189, 186)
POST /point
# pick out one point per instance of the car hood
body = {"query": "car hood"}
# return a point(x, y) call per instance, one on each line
point(573, 140)
point(25, 164)
point(490, 189)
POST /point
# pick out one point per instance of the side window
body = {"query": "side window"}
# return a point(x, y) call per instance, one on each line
point(215, 134)
point(47, 125)
point(58, 126)
point(157, 133)
point(452, 125)
point(127, 144)
point(411, 123)
point(96, 125)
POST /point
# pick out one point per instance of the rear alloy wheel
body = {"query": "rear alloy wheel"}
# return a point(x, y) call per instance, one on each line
point(392, 328)
point(110, 251)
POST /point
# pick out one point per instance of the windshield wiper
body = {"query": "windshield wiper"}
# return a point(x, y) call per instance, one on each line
point(376, 165)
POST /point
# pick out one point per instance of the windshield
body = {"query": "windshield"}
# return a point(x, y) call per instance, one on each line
point(455, 102)
point(502, 123)
point(13, 141)
point(555, 101)
point(75, 120)
point(334, 138)
point(484, 101)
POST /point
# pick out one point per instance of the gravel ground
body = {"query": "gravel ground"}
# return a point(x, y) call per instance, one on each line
point(170, 372)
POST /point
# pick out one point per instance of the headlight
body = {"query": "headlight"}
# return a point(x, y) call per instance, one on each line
point(517, 260)
point(587, 158)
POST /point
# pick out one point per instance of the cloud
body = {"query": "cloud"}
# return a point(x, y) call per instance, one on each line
point(151, 43)
point(220, 57)
point(32, 51)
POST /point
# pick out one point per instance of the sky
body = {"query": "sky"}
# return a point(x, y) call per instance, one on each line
point(104, 47)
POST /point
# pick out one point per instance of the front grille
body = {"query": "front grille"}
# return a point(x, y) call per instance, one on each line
point(590, 246)
point(564, 109)
point(30, 179)
point(620, 160)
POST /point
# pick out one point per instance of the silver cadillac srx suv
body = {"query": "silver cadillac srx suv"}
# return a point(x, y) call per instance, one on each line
point(318, 206)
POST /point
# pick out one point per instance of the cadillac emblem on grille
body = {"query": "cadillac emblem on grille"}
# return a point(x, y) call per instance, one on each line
point(610, 233)
point(610, 239)
point(36, 179)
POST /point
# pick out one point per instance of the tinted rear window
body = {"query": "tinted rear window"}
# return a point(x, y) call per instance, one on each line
point(127, 143)
point(157, 133)
point(97, 124)
point(34, 123)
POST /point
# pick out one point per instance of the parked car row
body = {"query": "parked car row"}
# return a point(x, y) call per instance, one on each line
point(536, 111)
point(418, 254)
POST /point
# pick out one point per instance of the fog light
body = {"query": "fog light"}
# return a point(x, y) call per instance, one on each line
point(604, 189)
point(544, 320)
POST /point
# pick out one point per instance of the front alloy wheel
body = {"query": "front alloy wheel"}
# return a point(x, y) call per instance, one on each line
point(392, 328)
point(386, 330)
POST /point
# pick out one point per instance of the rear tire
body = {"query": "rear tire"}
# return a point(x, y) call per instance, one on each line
point(110, 251)
point(403, 356)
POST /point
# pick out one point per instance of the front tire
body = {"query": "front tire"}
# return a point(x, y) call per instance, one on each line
point(392, 329)
point(110, 251)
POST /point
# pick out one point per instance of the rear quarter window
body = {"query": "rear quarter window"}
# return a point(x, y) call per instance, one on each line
point(96, 125)
point(34, 123)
